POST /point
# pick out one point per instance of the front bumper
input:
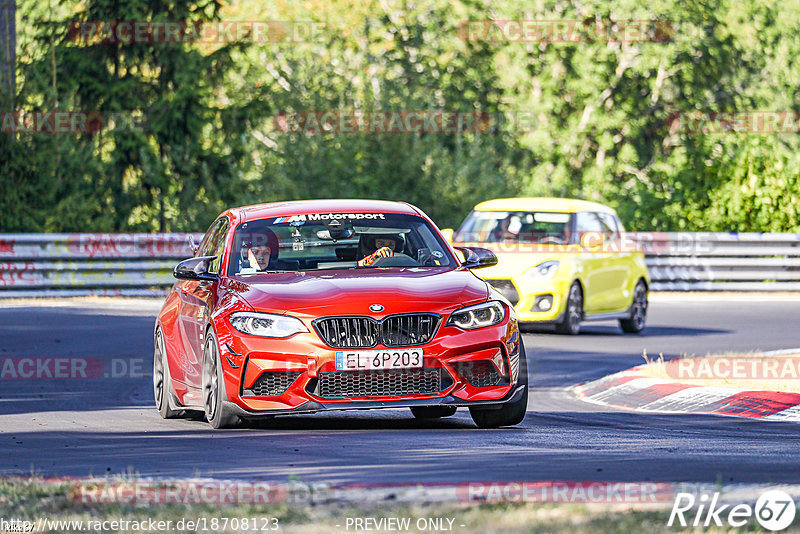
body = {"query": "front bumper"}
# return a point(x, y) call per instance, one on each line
point(513, 395)
point(303, 360)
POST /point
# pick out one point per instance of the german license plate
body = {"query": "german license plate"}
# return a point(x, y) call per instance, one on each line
point(365, 360)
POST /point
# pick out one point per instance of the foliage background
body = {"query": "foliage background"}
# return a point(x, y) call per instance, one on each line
point(204, 136)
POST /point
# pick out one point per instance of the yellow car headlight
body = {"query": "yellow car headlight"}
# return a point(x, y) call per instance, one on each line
point(544, 271)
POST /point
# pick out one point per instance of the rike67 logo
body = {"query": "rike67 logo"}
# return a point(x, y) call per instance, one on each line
point(774, 510)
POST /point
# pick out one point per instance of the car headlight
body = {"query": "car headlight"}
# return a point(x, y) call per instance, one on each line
point(266, 324)
point(545, 270)
point(478, 316)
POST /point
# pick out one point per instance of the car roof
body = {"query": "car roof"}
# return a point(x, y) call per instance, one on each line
point(305, 207)
point(569, 205)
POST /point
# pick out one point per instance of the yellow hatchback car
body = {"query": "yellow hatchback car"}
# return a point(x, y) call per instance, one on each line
point(561, 261)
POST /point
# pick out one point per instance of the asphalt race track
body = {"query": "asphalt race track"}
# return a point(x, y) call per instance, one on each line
point(100, 426)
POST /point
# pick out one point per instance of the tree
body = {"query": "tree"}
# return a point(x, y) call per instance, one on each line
point(168, 156)
point(8, 48)
point(198, 132)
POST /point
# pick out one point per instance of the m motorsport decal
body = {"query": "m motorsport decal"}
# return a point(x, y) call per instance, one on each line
point(329, 217)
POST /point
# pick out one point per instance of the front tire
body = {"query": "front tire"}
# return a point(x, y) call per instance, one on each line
point(635, 323)
point(433, 412)
point(214, 397)
point(162, 384)
point(511, 413)
point(573, 313)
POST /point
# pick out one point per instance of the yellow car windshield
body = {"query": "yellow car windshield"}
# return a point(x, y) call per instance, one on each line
point(516, 226)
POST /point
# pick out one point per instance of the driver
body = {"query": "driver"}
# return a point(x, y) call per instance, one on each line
point(260, 250)
point(384, 245)
point(504, 230)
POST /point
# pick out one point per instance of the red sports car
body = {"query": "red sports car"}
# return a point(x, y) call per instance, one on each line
point(298, 307)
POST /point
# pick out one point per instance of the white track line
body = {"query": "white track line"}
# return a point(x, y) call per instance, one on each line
point(688, 400)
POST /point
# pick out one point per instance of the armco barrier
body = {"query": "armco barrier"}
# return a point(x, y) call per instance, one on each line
point(704, 261)
point(40, 265)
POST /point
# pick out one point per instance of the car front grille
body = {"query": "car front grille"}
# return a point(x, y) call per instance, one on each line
point(481, 373)
point(402, 330)
point(348, 332)
point(407, 330)
point(271, 384)
point(507, 289)
point(384, 383)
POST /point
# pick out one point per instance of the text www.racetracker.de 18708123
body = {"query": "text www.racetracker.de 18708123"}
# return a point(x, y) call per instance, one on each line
point(197, 524)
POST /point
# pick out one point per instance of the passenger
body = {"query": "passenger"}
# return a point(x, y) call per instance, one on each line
point(260, 251)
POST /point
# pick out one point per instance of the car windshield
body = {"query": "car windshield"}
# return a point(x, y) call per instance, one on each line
point(515, 226)
point(324, 241)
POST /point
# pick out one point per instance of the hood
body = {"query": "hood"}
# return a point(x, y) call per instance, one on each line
point(320, 293)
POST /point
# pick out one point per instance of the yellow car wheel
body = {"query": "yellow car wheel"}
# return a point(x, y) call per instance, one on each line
point(635, 324)
point(573, 312)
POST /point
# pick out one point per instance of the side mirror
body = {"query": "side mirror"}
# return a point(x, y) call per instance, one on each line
point(192, 245)
point(477, 258)
point(195, 269)
point(447, 233)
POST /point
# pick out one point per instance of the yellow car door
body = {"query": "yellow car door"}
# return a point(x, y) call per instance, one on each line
point(619, 264)
point(593, 262)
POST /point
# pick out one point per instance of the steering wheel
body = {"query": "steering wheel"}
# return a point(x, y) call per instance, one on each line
point(551, 240)
point(398, 260)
